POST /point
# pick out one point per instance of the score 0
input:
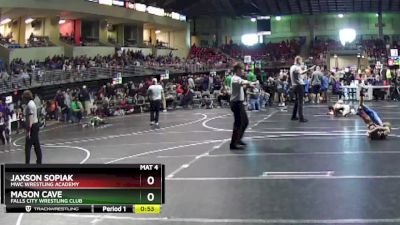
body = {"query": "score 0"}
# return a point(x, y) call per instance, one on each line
point(150, 181)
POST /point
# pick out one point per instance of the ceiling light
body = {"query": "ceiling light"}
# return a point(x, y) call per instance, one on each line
point(278, 18)
point(158, 31)
point(140, 7)
point(340, 15)
point(249, 39)
point(61, 22)
point(253, 19)
point(29, 20)
point(5, 21)
point(347, 35)
point(263, 17)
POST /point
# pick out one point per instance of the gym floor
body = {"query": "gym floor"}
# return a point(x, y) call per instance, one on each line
point(325, 171)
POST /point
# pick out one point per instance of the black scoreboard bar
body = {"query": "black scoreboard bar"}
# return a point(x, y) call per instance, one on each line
point(49, 209)
point(96, 188)
point(2, 183)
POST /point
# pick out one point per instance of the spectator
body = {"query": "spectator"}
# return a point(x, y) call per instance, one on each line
point(191, 82)
point(38, 102)
point(254, 95)
point(378, 93)
point(187, 97)
point(26, 78)
point(84, 97)
point(316, 81)
point(324, 87)
point(76, 109)
point(67, 103)
point(171, 96)
point(224, 94)
point(155, 93)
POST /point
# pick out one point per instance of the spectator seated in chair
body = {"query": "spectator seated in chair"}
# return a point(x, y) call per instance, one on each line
point(171, 97)
point(379, 93)
point(206, 100)
point(224, 94)
point(187, 97)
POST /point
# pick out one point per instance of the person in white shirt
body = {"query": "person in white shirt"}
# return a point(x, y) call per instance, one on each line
point(296, 78)
point(4, 76)
point(155, 93)
point(211, 82)
point(238, 109)
point(191, 82)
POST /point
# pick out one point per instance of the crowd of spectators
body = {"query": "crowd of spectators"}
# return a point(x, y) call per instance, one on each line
point(320, 47)
point(33, 41)
point(283, 51)
point(90, 41)
point(83, 41)
point(72, 105)
point(205, 90)
point(68, 38)
point(205, 55)
point(38, 41)
point(119, 59)
point(22, 72)
point(8, 42)
point(374, 49)
point(275, 86)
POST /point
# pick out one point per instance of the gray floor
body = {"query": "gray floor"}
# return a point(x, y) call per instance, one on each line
point(322, 172)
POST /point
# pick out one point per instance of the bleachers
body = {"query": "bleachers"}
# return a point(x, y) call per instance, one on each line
point(39, 41)
point(206, 55)
point(7, 42)
point(374, 49)
point(281, 52)
point(69, 39)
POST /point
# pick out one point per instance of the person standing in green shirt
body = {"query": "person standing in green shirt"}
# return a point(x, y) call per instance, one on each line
point(251, 77)
point(228, 80)
point(76, 108)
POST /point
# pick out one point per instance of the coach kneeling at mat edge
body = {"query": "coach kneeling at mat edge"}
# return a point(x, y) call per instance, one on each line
point(237, 107)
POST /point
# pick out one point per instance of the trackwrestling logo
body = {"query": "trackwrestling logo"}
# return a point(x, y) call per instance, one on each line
point(28, 208)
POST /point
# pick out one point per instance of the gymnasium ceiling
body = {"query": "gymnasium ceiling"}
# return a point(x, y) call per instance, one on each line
point(238, 8)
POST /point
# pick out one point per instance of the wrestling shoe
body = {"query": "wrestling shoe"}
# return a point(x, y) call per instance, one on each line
point(242, 143)
point(303, 121)
point(236, 147)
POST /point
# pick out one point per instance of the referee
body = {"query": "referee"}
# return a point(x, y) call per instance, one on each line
point(32, 128)
point(296, 77)
point(238, 109)
point(155, 93)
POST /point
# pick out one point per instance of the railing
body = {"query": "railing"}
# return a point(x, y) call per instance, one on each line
point(190, 68)
point(40, 77)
